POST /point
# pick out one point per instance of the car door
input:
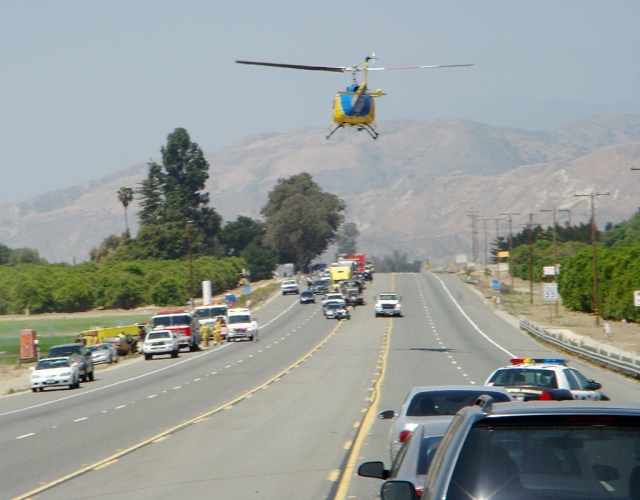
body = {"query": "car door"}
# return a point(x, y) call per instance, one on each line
point(579, 385)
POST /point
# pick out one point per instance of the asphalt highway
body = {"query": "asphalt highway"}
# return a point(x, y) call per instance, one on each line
point(290, 416)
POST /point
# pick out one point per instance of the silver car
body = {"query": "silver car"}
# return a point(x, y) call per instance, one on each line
point(412, 461)
point(436, 405)
point(103, 353)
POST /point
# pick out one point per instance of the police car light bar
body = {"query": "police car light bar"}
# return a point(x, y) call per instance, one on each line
point(530, 361)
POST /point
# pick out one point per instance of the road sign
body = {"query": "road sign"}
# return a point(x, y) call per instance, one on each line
point(550, 291)
point(636, 298)
point(495, 284)
point(549, 270)
point(504, 254)
point(246, 289)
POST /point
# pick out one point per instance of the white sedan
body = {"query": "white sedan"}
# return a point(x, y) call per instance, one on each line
point(52, 372)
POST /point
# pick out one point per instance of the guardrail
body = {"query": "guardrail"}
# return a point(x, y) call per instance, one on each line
point(597, 352)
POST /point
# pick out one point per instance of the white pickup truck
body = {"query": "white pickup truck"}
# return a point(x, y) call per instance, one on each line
point(290, 286)
point(388, 304)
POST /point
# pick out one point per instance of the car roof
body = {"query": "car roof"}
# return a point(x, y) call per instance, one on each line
point(564, 407)
point(437, 388)
point(66, 345)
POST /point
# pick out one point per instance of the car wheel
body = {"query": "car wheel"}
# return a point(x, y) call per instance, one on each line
point(91, 376)
point(84, 377)
point(78, 384)
point(116, 359)
point(34, 389)
point(72, 386)
point(174, 354)
point(147, 357)
point(250, 338)
point(41, 389)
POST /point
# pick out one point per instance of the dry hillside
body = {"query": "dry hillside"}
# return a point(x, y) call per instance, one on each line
point(410, 189)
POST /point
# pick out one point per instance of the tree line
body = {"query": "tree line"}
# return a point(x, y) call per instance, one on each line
point(178, 230)
point(618, 264)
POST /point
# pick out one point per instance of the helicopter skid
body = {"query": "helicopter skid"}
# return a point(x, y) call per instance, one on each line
point(363, 126)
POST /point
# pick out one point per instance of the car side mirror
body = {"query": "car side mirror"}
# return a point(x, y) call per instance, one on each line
point(398, 490)
point(595, 385)
point(386, 414)
point(373, 469)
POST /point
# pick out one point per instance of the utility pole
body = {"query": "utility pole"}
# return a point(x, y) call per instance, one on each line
point(189, 223)
point(486, 246)
point(510, 219)
point(530, 226)
point(474, 235)
point(592, 197)
point(555, 252)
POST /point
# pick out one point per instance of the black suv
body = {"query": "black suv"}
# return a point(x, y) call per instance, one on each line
point(78, 354)
point(556, 450)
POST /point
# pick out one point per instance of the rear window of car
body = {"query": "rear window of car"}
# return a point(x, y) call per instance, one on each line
point(549, 457)
point(510, 377)
point(306, 293)
point(425, 404)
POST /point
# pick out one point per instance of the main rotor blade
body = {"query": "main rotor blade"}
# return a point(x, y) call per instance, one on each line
point(295, 66)
point(422, 67)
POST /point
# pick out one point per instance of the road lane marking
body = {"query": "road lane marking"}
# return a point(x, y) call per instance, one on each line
point(118, 407)
point(26, 435)
point(367, 422)
point(81, 419)
point(152, 396)
point(476, 327)
point(107, 464)
point(163, 435)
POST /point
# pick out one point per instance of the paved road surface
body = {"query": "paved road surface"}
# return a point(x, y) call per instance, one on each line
point(283, 415)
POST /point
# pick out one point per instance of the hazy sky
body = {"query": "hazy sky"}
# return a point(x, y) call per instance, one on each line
point(91, 87)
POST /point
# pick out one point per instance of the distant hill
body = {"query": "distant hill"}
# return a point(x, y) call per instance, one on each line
point(410, 189)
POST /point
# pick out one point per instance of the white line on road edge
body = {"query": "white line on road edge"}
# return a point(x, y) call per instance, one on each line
point(469, 319)
point(26, 435)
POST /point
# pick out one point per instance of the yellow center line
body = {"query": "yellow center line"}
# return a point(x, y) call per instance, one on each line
point(369, 418)
point(228, 405)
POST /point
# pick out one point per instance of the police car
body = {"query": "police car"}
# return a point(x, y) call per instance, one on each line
point(530, 379)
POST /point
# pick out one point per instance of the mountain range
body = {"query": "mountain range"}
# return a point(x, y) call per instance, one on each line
point(411, 190)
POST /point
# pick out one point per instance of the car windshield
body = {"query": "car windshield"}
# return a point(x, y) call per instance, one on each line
point(510, 377)
point(319, 282)
point(45, 364)
point(171, 320)
point(388, 296)
point(239, 318)
point(210, 312)
point(68, 350)
point(159, 335)
point(306, 293)
point(425, 404)
point(290, 282)
point(549, 457)
point(333, 305)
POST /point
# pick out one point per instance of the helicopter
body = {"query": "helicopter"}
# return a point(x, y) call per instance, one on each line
point(355, 106)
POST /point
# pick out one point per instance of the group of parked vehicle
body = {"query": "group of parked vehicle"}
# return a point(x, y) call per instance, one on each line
point(537, 429)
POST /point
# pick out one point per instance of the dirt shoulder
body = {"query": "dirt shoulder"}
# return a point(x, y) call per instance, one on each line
point(625, 336)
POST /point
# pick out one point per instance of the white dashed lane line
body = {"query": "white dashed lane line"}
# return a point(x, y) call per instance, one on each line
point(81, 419)
point(121, 406)
point(26, 435)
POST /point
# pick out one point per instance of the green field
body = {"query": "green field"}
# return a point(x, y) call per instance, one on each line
point(52, 331)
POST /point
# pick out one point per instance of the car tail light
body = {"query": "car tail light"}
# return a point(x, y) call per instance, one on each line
point(545, 396)
point(419, 490)
point(403, 435)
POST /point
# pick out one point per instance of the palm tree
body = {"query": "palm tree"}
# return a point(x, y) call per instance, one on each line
point(125, 195)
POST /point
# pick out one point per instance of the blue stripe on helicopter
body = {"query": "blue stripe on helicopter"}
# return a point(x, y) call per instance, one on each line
point(347, 101)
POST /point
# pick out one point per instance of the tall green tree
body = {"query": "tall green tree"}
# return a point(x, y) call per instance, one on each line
point(125, 195)
point(301, 220)
point(348, 238)
point(173, 204)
